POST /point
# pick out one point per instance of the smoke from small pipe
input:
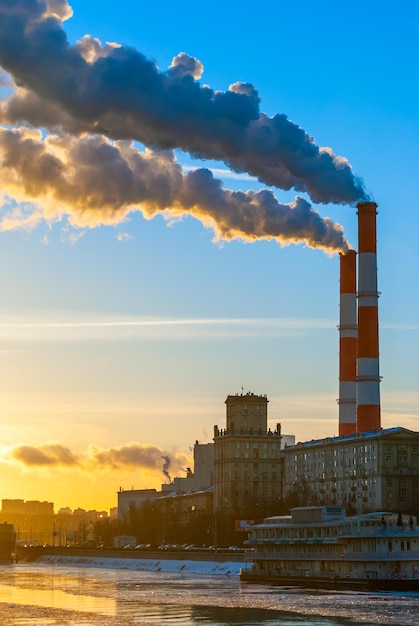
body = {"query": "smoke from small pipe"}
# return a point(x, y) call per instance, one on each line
point(166, 466)
point(128, 457)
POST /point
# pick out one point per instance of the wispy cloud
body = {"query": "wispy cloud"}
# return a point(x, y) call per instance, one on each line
point(74, 326)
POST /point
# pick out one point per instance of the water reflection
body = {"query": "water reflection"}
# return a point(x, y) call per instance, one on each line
point(140, 597)
point(57, 599)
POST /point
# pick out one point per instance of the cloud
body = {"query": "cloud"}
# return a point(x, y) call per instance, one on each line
point(66, 326)
point(124, 237)
point(94, 181)
point(131, 456)
point(116, 91)
point(46, 455)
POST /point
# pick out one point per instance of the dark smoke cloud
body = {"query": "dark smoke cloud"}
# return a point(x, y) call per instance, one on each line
point(128, 457)
point(116, 91)
point(96, 182)
point(133, 456)
point(166, 466)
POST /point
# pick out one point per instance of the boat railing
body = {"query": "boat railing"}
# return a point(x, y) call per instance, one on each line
point(378, 529)
point(332, 574)
point(344, 531)
point(399, 555)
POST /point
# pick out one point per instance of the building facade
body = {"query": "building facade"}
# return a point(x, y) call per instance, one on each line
point(203, 465)
point(202, 476)
point(363, 472)
point(247, 459)
point(33, 520)
point(131, 500)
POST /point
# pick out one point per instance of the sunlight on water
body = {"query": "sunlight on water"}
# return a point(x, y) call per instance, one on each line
point(45, 595)
point(57, 599)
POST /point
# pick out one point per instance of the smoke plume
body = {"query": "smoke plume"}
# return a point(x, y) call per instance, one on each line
point(166, 466)
point(114, 90)
point(96, 181)
point(128, 457)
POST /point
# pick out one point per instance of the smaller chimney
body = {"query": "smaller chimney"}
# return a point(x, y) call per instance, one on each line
point(347, 344)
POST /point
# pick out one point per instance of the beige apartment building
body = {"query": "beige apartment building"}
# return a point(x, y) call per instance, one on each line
point(131, 500)
point(247, 460)
point(375, 471)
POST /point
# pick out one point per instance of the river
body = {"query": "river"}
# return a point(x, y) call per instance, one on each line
point(44, 594)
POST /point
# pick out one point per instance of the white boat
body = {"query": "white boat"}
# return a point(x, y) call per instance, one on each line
point(320, 547)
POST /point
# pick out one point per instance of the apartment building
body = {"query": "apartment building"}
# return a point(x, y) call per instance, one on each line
point(364, 472)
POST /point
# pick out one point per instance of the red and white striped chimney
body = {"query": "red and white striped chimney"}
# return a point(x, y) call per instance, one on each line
point(347, 344)
point(368, 415)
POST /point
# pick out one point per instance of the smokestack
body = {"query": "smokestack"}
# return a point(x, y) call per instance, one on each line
point(368, 415)
point(347, 344)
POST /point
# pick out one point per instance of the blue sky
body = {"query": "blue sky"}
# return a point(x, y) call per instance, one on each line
point(137, 331)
